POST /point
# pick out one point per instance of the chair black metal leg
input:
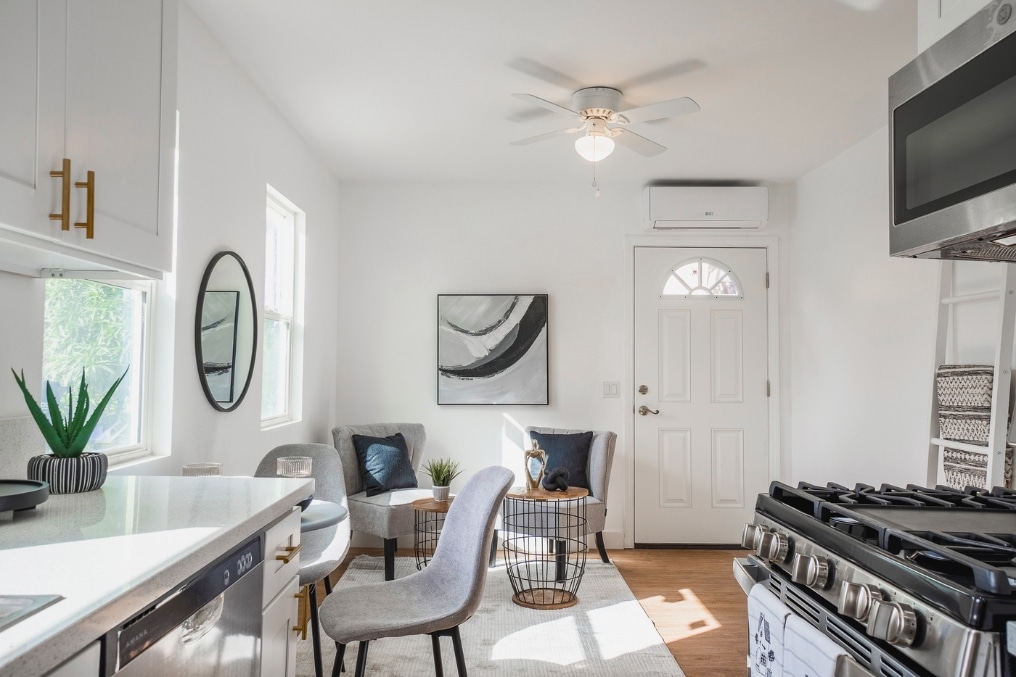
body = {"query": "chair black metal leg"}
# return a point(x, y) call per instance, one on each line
point(493, 549)
point(391, 545)
point(438, 663)
point(601, 547)
point(340, 652)
point(361, 659)
point(328, 585)
point(315, 629)
point(460, 658)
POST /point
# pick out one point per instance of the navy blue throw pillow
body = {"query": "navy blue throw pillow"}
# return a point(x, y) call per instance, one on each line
point(569, 451)
point(384, 463)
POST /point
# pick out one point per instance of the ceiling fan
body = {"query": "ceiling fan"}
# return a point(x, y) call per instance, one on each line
point(596, 109)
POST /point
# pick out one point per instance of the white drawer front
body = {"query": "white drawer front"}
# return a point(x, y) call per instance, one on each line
point(281, 541)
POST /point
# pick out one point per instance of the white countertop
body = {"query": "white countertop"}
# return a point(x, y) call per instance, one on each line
point(113, 551)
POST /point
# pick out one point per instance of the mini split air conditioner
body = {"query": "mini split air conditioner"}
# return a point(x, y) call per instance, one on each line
point(705, 207)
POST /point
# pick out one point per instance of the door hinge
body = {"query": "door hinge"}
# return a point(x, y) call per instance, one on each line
point(767, 279)
point(768, 390)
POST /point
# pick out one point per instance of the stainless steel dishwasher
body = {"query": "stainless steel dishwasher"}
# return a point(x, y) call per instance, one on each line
point(210, 626)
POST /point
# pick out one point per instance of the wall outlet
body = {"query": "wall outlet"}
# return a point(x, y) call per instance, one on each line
point(611, 389)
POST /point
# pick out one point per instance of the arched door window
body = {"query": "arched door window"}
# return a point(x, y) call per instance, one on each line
point(703, 278)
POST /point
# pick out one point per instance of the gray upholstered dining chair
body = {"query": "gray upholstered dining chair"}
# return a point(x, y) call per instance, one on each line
point(434, 601)
point(390, 513)
point(322, 550)
point(601, 456)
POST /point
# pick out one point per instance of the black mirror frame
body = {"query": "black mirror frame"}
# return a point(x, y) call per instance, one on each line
point(197, 330)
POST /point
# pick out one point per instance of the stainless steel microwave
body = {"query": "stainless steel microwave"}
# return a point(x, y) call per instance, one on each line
point(952, 144)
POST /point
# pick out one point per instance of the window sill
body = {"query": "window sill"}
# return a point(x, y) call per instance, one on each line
point(279, 422)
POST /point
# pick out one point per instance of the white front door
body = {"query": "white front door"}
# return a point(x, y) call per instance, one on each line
point(701, 361)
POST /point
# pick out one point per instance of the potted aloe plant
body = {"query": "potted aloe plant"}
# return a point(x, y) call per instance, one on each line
point(69, 469)
point(441, 472)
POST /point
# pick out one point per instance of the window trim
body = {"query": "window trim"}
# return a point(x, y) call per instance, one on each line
point(672, 275)
point(294, 402)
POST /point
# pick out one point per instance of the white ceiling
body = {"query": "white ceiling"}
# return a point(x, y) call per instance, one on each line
point(421, 90)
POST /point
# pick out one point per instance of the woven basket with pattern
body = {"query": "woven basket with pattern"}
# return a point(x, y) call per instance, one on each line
point(970, 469)
point(964, 385)
point(965, 425)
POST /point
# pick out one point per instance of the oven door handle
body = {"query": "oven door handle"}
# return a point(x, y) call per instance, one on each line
point(746, 573)
point(847, 667)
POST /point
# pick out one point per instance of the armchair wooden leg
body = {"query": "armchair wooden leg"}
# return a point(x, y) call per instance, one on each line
point(601, 547)
point(391, 545)
point(435, 641)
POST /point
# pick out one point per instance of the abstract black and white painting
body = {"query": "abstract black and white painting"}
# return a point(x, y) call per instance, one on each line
point(492, 349)
point(218, 341)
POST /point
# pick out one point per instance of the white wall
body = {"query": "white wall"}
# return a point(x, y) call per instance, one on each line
point(403, 244)
point(862, 331)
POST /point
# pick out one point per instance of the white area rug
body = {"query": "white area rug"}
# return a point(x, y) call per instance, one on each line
point(606, 633)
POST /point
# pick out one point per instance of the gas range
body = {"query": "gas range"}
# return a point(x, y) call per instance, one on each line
point(911, 580)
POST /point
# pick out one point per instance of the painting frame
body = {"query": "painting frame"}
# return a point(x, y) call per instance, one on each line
point(493, 349)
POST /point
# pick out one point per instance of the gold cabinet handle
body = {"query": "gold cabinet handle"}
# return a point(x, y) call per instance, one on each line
point(304, 616)
point(89, 186)
point(291, 552)
point(64, 217)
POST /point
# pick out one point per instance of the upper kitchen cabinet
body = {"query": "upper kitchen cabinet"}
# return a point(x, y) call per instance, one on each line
point(92, 82)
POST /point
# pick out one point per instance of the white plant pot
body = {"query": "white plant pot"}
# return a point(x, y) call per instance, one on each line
point(441, 493)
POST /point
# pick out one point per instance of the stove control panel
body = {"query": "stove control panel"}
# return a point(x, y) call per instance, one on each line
point(810, 570)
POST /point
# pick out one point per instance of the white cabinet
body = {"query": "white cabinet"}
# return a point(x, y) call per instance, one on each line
point(279, 618)
point(93, 81)
point(278, 637)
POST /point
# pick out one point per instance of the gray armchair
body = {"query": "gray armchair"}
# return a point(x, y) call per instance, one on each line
point(601, 456)
point(390, 514)
point(434, 601)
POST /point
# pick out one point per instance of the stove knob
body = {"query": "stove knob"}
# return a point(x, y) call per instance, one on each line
point(856, 599)
point(894, 622)
point(752, 536)
point(810, 570)
point(773, 547)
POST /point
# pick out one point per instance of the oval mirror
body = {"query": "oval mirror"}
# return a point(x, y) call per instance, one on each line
point(225, 331)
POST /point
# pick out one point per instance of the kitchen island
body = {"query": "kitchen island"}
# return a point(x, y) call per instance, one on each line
point(112, 552)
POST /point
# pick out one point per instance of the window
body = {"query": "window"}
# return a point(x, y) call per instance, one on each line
point(282, 310)
point(704, 278)
point(102, 328)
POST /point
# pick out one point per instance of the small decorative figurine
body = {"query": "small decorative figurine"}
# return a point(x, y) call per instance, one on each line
point(536, 462)
point(556, 480)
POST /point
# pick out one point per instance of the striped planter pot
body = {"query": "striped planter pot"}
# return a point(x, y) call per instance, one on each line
point(71, 475)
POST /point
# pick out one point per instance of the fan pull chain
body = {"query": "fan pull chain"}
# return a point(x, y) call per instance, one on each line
point(596, 184)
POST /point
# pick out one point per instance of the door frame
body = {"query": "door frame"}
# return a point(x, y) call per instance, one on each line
point(776, 405)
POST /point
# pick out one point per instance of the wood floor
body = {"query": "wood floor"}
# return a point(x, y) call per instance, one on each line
point(690, 595)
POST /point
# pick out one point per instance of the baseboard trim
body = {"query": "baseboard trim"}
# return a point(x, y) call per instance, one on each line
point(689, 546)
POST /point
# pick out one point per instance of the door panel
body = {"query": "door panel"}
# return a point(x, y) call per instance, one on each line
point(704, 361)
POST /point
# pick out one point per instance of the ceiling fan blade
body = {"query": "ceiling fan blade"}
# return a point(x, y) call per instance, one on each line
point(639, 144)
point(658, 111)
point(543, 103)
point(545, 73)
point(548, 135)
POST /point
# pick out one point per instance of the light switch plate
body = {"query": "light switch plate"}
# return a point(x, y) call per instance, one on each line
point(611, 389)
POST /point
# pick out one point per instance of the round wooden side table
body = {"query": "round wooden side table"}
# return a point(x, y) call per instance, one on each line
point(429, 516)
point(545, 545)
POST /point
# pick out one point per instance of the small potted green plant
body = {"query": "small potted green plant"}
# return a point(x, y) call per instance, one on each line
point(69, 469)
point(441, 472)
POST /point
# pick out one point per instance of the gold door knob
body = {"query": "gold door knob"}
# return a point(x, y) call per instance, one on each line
point(643, 410)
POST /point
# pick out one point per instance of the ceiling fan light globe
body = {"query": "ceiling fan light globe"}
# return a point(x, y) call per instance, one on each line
point(594, 147)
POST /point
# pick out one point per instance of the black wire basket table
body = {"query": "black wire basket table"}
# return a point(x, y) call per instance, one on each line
point(545, 545)
point(429, 517)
